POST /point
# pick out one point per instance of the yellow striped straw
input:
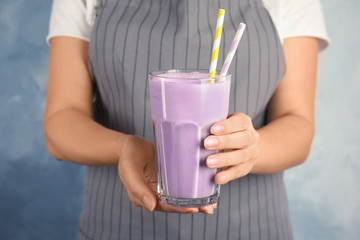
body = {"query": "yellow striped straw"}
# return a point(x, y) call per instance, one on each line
point(216, 45)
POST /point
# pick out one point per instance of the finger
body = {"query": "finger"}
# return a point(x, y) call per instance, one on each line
point(231, 158)
point(139, 193)
point(236, 122)
point(163, 207)
point(231, 141)
point(233, 173)
point(207, 209)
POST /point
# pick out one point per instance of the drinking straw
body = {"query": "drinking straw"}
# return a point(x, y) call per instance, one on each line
point(232, 50)
point(216, 45)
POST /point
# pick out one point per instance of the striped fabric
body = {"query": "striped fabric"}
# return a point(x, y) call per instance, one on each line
point(133, 37)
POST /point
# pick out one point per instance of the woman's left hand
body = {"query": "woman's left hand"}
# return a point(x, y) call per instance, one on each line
point(239, 140)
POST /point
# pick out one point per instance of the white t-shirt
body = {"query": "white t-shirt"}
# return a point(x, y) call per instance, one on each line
point(292, 18)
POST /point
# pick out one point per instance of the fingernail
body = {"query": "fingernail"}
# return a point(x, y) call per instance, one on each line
point(211, 142)
point(212, 161)
point(148, 203)
point(217, 128)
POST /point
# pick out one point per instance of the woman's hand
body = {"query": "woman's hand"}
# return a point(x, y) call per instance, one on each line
point(137, 171)
point(239, 140)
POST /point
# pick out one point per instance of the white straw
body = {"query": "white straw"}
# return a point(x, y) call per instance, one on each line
point(232, 50)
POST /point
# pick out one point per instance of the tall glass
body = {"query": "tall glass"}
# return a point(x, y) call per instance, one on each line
point(184, 105)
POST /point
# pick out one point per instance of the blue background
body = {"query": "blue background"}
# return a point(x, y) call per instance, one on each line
point(40, 198)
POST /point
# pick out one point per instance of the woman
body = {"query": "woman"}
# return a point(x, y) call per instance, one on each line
point(97, 111)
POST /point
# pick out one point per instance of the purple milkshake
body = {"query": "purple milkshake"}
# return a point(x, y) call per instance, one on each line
point(184, 105)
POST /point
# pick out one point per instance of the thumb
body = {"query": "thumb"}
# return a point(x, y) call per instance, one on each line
point(149, 203)
point(138, 191)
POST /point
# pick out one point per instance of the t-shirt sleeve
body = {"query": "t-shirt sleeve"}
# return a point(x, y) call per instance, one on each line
point(304, 18)
point(69, 18)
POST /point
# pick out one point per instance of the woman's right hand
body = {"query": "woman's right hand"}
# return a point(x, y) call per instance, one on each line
point(72, 135)
point(137, 171)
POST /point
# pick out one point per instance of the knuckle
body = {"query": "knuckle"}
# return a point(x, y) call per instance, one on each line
point(245, 156)
point(248, 137)
point(238, 172)
point(226, 141)
point(257, 151)
point(244, 169)
point(256, 136)
point(239, 119)
point(243, 120)
point(231, 176)
point(249, 167)
point(226, 175)
point(239, 114)
point(223, 142)
point(254, 152)
point(253, 136)
point(226, 159)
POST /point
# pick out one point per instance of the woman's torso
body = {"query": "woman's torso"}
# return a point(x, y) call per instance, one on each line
point(133, 37)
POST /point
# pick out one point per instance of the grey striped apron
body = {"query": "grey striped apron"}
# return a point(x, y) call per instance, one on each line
point(133, 37)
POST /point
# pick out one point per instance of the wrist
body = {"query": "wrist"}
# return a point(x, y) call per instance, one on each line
point(118, 146)
point(258, 157)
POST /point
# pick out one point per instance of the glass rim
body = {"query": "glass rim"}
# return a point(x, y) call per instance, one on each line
point(157, 73)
